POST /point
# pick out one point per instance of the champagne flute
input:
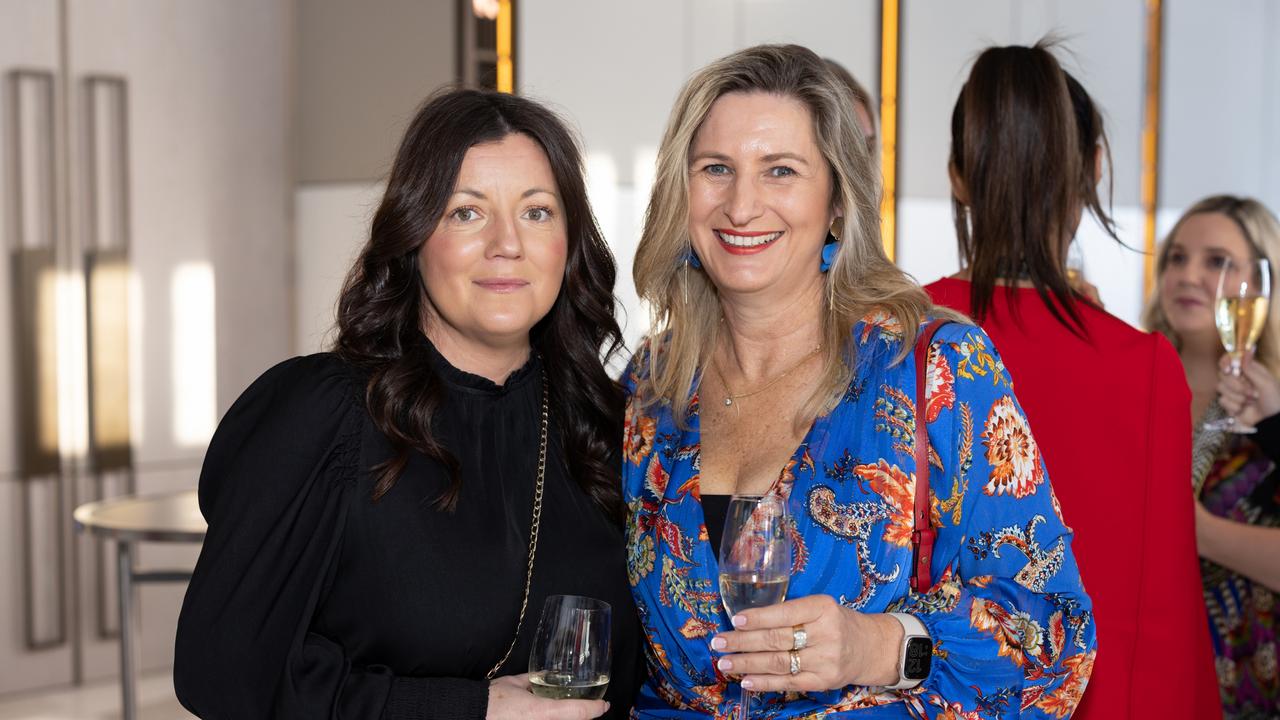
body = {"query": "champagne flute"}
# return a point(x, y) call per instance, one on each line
point(1240, 313)
point(755, 558)
point(1075, 264)
point(570, 657)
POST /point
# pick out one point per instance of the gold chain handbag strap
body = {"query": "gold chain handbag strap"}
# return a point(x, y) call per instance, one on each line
point(533, 531)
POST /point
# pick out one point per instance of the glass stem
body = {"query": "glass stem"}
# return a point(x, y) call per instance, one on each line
point(1236, 366)
point(744, 709)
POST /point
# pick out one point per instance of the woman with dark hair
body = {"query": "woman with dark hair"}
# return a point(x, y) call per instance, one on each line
point(793, 360)
point(1108, 403)
point(386, 520)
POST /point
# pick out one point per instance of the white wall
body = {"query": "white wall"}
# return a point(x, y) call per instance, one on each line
point(331, 225)
point(1222, 105)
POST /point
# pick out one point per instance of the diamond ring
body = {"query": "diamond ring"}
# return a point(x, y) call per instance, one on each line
point(799, 637)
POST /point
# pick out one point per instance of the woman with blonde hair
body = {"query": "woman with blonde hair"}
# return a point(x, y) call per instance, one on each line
point(1234, 475)
point(788, 359)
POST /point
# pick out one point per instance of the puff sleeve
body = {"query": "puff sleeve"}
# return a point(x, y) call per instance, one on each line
point(276, 482)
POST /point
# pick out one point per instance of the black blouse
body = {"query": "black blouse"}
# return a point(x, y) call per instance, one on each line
point(310, 600)
point(714, 509)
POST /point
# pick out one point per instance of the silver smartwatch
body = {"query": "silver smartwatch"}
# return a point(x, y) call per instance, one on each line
point(915, 658)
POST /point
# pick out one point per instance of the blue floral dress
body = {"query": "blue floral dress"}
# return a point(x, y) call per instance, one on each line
point(1012, 626)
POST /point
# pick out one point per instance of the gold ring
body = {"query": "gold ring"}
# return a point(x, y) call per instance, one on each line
point(795, 661)
point(799, 637)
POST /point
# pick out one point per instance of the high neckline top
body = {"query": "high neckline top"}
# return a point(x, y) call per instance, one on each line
point(460, 379)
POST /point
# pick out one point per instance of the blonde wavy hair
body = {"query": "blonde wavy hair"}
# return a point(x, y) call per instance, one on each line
point(861, 278)
point(1262, 232)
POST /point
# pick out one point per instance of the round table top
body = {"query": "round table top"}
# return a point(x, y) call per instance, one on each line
point(167, 517)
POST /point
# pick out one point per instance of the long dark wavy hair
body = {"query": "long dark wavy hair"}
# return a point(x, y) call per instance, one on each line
point(1024, 135)
point(383, 304)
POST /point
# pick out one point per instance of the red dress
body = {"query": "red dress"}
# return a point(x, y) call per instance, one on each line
point(1112, 417)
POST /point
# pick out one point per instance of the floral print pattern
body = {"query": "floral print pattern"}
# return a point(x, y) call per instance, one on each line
point(1012, 627)
point(1015, 462)
point(1241, 484)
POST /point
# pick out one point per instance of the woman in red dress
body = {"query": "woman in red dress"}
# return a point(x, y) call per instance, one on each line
point(1108, 403)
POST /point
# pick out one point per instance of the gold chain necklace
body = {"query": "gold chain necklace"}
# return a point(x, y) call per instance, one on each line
point(533, 530)
point(730, 397)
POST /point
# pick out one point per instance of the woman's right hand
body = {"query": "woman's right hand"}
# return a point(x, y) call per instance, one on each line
point(1087, 289)
point(510, 699)
point(1252, 395)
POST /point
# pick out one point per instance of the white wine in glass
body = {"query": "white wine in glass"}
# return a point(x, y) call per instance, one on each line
point(1075, 263)
point(750, 590)
point(1240, 313)
point(571, 654)
point(755, 558)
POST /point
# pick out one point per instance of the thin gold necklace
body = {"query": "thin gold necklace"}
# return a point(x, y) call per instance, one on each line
point(534, 524)
point(730, 396)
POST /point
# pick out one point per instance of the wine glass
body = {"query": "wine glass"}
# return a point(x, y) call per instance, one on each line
point(1075, 263)
point(1240, 312)
point(755, 558)
point(570, 657)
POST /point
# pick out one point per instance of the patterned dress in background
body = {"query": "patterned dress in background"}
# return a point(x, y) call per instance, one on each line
point(1237, 479)
point(1012, 626)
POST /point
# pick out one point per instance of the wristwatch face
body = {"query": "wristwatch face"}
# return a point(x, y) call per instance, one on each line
point(918, 659)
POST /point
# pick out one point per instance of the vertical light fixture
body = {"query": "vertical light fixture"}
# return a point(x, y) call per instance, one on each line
point(506, 66)
point(1151, 141)
point(890, 35)
point(194, 354)
point(107, 274)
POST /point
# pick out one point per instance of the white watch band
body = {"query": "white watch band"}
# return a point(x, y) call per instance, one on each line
point(911, 627)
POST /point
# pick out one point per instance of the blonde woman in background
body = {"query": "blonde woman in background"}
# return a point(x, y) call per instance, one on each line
point(1235, 475)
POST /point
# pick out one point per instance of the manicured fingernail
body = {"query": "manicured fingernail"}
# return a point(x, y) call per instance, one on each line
point(606, 706)
point(748, 683)
point(725, 664)
point(739, 621)
point(719, 643)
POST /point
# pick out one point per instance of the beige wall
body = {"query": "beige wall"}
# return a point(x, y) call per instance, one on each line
point(362, 69)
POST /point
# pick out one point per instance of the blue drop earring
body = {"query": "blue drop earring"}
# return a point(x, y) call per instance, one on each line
point(829, 252)
point(691, 258)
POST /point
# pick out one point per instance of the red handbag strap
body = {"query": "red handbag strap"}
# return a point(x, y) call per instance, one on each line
point(923, 535)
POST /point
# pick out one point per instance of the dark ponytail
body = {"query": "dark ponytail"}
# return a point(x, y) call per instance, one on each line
point(1019, 154)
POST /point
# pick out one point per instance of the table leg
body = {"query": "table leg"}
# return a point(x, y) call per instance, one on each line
point(124, 556)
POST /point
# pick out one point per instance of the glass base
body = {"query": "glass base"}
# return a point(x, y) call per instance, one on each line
point(1230, 425)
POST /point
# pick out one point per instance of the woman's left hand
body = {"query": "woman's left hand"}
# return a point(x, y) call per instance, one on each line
point(843, 647)
point(1087, 289)
point(1252, 395)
